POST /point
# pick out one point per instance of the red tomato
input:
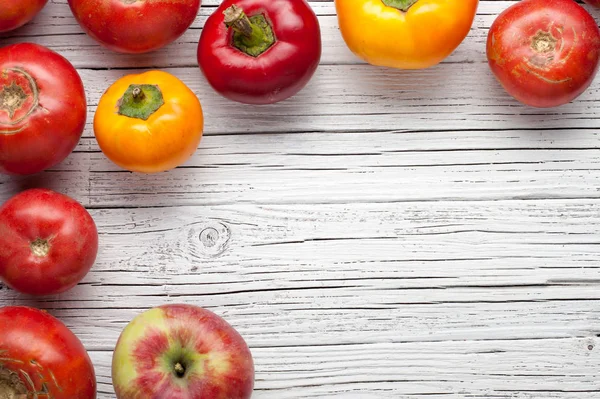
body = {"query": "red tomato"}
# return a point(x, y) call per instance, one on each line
point(41, 358)
point(16, 13)
point(48, 242)
point(260, 51)
point(135, 26)
point(544, 52)
point(42, 108)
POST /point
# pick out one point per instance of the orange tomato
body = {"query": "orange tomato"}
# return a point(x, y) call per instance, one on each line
point(405, 34)
point(149, 123)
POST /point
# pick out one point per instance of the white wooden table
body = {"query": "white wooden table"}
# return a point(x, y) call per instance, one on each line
point(384, 234)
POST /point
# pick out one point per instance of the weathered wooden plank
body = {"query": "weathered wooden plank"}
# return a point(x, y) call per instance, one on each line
point(455, 369)
point(336, 274)
point(324, 168)
point(384, 234)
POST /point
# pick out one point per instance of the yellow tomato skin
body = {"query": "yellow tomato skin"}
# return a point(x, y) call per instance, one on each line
point(419, 38)
point(165, 140)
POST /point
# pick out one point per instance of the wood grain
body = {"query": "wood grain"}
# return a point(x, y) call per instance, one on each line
point(384, 234)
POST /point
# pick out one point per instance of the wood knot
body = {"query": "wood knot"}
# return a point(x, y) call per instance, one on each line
point(214, 239)
point(209, 237)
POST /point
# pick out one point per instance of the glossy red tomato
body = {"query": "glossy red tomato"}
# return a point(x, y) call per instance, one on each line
point(42, 108)
point(48, 242)
point(131, 26)
point(544, 52)
point(41, 358)
point(16, 13)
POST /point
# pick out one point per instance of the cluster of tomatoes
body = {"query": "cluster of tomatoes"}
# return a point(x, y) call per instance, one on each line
point(545, 53)
point(256, 52)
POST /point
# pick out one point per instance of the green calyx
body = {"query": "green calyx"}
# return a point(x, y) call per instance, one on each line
point(402, 5)
point(140, 101)
point(252, 35)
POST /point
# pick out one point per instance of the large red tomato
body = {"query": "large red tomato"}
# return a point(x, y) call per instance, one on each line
point(41, 358)
point(48, 242)
point(544, 52)
point(135, 26)
point(16, 13)
point(42, 108)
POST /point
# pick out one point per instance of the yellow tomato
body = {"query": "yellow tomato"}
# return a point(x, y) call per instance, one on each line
point(405, 34)
point(149, 122)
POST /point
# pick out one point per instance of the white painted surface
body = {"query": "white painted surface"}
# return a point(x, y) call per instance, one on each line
point(384, 234)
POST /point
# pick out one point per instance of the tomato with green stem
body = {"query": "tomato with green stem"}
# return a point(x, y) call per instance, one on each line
point(260, 51)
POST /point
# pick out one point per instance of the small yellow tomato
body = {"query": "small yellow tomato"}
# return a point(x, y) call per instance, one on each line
point(149, 123)
point(405, 34)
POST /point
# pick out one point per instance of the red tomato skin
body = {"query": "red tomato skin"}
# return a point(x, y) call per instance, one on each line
point(32, 143)
point(16, 13)
point(275, 75)
point(69, 228)
point(38, 344)
point(137, 27)
point(551, 78)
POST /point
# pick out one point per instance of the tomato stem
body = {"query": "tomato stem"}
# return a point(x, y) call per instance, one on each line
point(252, 35)
point(40, 247)
point(402, 5)
point(140, 101)
point(138, 94)
point(543, 42)
point(236, 19)
point(11, 385)
point(13, 98)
